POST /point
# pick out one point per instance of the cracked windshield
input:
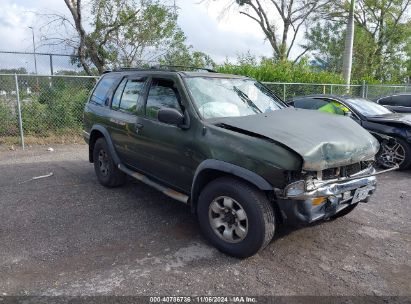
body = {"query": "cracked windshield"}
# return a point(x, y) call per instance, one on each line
point(222, 97)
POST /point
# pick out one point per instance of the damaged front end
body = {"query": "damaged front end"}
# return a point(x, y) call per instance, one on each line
point(311, 196)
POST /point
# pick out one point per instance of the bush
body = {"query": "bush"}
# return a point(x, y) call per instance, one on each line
point(8, 120)
point(54, 111)
point(270, 71)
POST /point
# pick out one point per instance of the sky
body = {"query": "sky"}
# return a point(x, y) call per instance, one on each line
point(206, 29)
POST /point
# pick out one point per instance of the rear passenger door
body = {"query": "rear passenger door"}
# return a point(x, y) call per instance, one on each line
point(126, 105)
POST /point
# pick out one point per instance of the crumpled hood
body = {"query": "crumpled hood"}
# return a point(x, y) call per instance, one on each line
point(392, 118)
point(323, 140)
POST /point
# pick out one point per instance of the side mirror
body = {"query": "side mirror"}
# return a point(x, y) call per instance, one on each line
point(348, 114)
point(170, 116)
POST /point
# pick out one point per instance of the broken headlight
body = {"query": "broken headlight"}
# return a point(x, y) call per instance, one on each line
point(295, 189)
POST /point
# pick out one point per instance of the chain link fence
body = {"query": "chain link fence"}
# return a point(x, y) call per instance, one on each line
point(51, 107)
point(289, 90)
point(38, 63)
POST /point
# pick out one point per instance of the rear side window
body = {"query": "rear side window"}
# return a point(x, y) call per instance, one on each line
point(310, 104)
point(102, 90)
point(401, 100)
point(115, 103)
point(131, 94)
point(162, 94)
point(128, 94)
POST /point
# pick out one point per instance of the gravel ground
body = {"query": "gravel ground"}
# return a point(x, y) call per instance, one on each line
point(67, 235)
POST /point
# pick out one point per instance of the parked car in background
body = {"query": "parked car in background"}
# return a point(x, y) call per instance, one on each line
point(227, 146)
point(393, 130)
point(400, 102)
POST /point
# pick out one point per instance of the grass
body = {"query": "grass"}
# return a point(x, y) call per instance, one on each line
point(10, 142)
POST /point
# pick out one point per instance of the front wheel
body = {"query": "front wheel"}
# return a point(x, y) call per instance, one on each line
point(394, 152)
point(235, 217)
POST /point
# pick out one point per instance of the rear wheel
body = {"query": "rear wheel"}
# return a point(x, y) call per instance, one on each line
point(106, 171)
point(235, 217)
point(394, 152)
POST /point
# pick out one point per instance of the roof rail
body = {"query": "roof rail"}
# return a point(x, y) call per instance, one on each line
point(188, 67)
point(172, 68)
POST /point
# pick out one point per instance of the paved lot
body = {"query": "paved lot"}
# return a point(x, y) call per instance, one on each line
point(67, 235)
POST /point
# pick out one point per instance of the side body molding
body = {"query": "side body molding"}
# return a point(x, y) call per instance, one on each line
point(213, 165)
point(107, 137)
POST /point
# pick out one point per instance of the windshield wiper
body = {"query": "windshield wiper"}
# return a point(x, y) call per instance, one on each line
point(245, 98)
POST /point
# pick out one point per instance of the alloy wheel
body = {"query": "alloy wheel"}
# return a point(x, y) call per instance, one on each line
point(228, 219)
point(393, 153)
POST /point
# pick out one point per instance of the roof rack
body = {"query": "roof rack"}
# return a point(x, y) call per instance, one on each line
point(187, 67)
point(161, 68)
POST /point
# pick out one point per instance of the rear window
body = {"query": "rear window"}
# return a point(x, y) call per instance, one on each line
point(102, 90)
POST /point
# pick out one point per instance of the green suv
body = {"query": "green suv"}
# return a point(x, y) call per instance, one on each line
point(229, 148)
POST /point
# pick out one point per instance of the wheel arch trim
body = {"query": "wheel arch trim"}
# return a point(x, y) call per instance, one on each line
point(101, 129)
point(227, 168)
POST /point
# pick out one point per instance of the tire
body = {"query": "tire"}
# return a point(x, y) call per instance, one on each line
point(106, 171)
point(404, 149)
point(259, 222)
point(345, 211)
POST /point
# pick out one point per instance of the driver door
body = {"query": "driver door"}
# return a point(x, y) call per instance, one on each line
point(165, 148)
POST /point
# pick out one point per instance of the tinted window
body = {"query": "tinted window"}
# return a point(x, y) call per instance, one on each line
point(102, 89)
point(401, 100)
point(162, 94)
point(115, 103)
point(385, 101)
point(131, 93)
point(310, 104)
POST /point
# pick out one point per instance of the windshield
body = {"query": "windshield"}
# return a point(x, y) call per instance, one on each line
point(367, 108)
point(228, 97)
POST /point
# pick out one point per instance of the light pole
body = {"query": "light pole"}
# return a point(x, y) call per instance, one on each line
point(34, 50)
point(349, 42)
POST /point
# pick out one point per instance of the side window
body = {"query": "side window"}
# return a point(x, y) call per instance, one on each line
point(102, 89)
point(130, 95)
point(310, 104)
point(385, 101)
point(115, 103)
point(162, 94)
point(401, 100)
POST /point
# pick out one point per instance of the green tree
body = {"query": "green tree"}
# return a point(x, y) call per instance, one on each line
point(382, 38)
point(281, 31)
point(179, 53)
point(111, 33)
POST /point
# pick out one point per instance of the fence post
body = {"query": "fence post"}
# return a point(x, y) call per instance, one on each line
point(363, 89)
point(19, 110)
point(284, 92)
point(331, 89)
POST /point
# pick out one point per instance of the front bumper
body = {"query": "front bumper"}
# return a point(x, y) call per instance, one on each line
point(300, 207)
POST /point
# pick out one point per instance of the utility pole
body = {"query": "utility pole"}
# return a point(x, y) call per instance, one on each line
point(349, 42)
point(34, 49)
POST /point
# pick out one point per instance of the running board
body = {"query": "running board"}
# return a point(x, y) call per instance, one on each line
point(167, 191)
